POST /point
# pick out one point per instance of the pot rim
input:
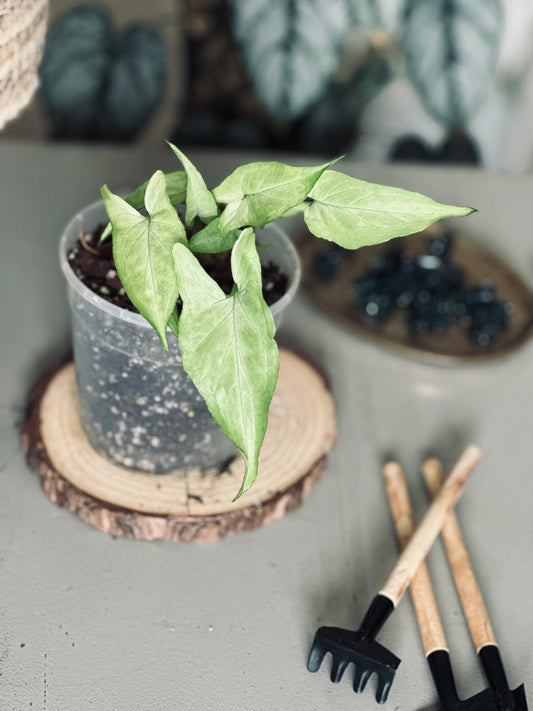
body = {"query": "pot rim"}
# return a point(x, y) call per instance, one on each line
point(137, 319)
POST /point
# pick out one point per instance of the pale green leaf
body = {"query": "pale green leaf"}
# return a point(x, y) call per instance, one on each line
point(199, 199)
point(173, 322)
point(228, 348)
point(209, 240)
point(142, 249)
point(354, 213)
point(258, 193)
point(176, 184)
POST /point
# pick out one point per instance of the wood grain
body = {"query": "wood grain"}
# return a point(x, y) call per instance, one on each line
point(424, 602)
point(465, 580)
point(183, 505)
point(429, 528)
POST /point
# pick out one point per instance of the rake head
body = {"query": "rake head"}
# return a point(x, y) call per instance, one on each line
point(349, 647)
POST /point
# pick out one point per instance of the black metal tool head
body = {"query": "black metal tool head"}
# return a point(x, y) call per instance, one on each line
point(519, 699)
point(506, 699)
point(441, 671)
point(348, 647)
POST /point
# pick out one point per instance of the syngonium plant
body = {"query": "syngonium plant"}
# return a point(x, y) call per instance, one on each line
point(227, 341)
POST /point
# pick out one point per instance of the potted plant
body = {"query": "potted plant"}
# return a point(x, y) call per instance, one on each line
point(226, 340)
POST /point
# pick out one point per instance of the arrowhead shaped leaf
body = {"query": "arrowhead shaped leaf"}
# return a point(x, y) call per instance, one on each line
point(354, 213)
point(199, 199)
point(176, 184)
point(228, 348)
point(142, 249)
point(259, 193)
point(450, 49)
point(209, 240)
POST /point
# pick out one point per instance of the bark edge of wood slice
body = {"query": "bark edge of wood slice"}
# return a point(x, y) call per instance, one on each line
point(185, 505)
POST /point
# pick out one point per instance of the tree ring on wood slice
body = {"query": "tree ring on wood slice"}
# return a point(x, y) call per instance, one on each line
point(186, 505)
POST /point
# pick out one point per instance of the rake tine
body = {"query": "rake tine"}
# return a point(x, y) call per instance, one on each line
point(316, 656)
point(360, 679)
point(338, 667)
point(474, 607)
point(383, 689)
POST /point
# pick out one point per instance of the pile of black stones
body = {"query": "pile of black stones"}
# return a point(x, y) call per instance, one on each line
point(428, 287)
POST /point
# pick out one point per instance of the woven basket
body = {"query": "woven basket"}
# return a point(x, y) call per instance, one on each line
point(22, 33)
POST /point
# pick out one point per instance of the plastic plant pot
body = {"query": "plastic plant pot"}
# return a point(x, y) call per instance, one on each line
point(138, 407)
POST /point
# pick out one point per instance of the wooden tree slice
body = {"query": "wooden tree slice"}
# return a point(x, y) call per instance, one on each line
point(188, 505)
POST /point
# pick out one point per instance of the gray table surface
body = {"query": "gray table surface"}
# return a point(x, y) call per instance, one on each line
point(91, 622)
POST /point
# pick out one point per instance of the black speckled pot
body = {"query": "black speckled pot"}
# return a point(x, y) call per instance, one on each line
point(138, 407)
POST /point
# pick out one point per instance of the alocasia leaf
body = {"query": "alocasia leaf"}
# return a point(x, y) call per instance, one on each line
point(228, 348)
point(142, 249)
point(176, 184)
point(199, 199)
point(354, 213)
point(290, 48)
point(450, 49)
point(210, 241)
point(259, 193)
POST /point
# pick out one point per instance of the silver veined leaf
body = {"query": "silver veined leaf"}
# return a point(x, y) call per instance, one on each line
point(450, 49)
point(290, 48)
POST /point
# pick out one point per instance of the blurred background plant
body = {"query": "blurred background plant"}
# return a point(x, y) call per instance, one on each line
point(446, 80)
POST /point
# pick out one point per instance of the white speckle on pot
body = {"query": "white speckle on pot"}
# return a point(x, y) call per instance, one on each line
point(171, 405)
point(128, 461)
point(125, 375)
point(111, 274)
point(103, 396)
point(157, 398)
point(144, 465)
point(115, 410)
point(145, 413)
point(112, 378)
point(141, 400)
point(89, 388)
point(190, 413)
point(155, 442)
point(104, 290)
point(182, 438)
point(117, 397)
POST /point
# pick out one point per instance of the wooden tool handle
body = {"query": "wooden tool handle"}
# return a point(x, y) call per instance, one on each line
point(427, 612)
point(471, 599)
point(428, 530)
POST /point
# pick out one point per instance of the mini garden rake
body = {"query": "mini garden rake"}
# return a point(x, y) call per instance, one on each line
point(359, 647)
point(472, 601)
point(427, 612)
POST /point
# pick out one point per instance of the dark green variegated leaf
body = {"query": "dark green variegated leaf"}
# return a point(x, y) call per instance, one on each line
point(290, 48)
point(142, 250)
point(210, 241)
point(199, 199)
point(176, 184)
point(450, 49)
point(258, 193)
point(228, 348)
point(354, 213)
